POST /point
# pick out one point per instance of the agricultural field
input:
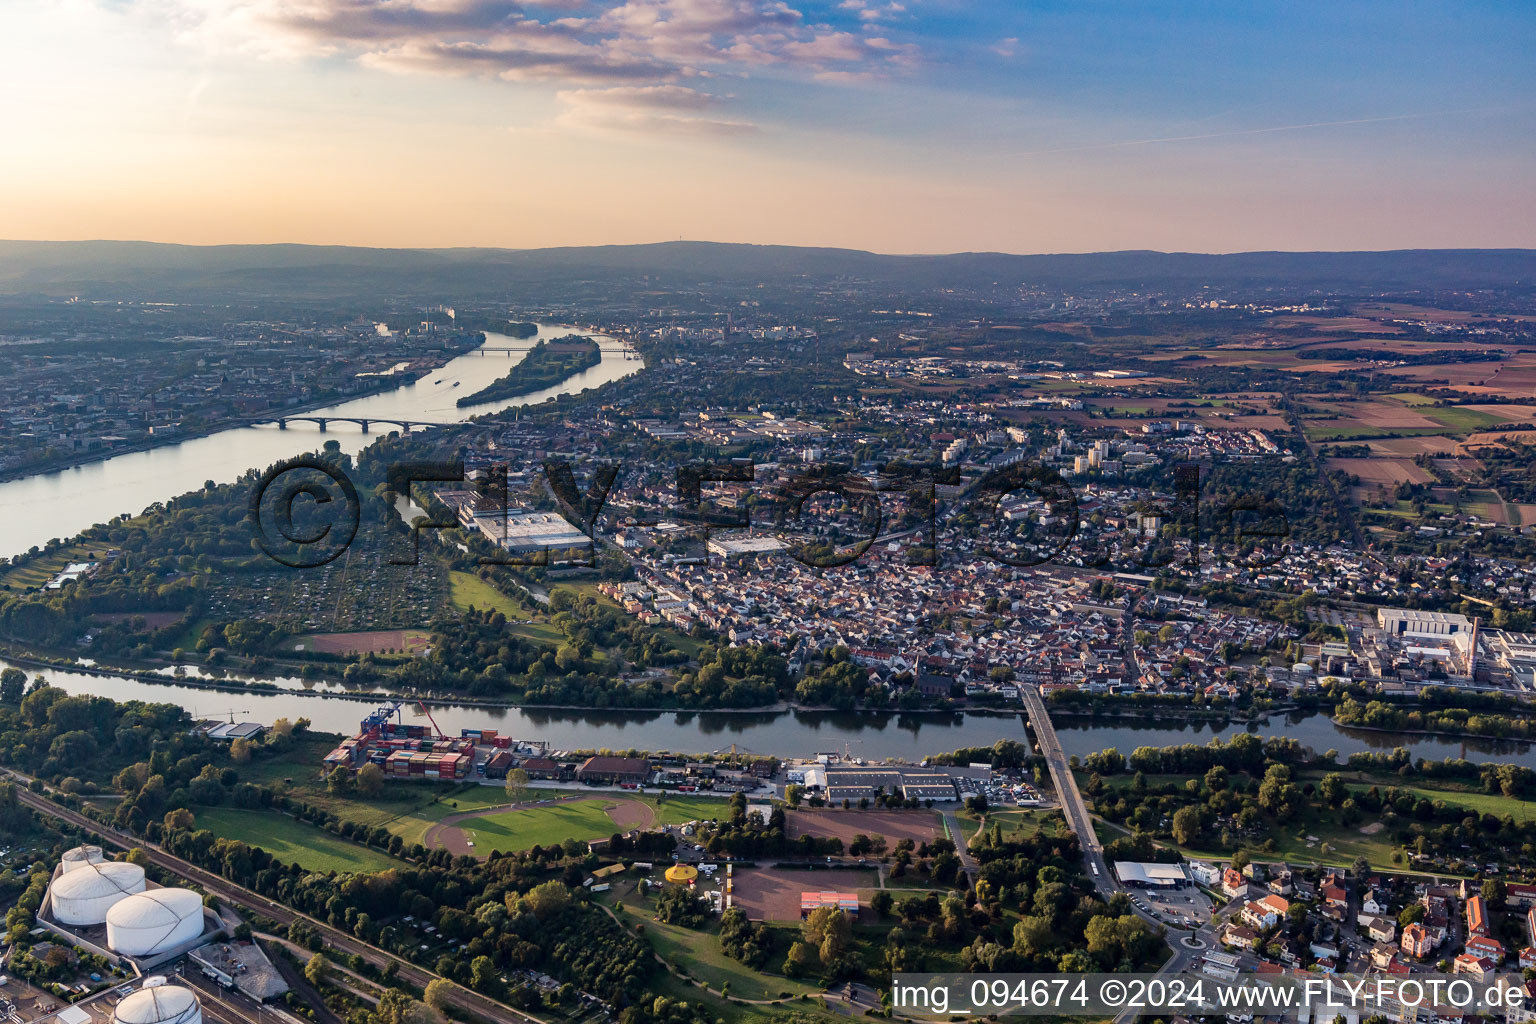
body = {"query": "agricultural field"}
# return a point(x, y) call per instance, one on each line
point(1397, 415)
point(291, 840)
point(1382, 472)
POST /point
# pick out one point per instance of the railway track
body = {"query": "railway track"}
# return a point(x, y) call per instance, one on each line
point(239, 896)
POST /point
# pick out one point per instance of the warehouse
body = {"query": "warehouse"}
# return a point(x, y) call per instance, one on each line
point(867, 783)
point(613, 770)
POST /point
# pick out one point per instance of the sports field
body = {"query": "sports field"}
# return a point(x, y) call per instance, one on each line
point(292, 841)
point(578, 817)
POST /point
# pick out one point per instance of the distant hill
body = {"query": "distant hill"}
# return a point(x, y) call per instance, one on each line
point(152, 270)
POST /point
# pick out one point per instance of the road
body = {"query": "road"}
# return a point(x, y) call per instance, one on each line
point(239, 896)
point(1081, 824)
point(1072, 805)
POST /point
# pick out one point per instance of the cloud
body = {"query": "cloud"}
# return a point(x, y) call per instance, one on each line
point(672, 109)
point(564, 41)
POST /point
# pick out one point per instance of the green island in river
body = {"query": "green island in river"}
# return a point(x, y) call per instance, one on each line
point(548, 363)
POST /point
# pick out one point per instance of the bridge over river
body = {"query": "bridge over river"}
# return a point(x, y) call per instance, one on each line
point(365, 422)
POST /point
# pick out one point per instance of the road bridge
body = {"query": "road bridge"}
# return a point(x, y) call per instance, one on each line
point(365, 422)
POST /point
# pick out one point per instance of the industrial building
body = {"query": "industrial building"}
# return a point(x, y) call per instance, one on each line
point(614, 770)
point(1150, 875)
point(744, 547)
point(519, 530)
point(862, 783)
point(1412, 622)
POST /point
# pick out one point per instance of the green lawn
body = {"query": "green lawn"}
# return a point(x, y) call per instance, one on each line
point(698, 952)
point(292, 841)
point(1481, 803)
point(412, 825)
point(467, 590)
point(296, 771)
point(1345, 843)
point(509, 831)
point(1026, 822)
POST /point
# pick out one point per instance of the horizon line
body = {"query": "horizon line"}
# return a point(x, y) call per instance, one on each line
point(764, 245)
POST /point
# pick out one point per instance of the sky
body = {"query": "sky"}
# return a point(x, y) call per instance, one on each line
point(891, 125)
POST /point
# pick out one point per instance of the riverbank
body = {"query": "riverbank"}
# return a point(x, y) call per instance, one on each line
point(326, 689)
point(155, 441)
point(125, 482)
point(1434, 733)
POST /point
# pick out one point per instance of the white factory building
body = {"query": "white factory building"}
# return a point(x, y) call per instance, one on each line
point(519, 530)
point(1412, 622)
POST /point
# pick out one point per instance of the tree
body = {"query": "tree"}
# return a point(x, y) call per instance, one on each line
point(316, 970)
point(339, 782)
point(881, 902)
point(180, 817)
point(370, 779)
point(517, 785)
point(548, 898)
point(240, 751)
point(13, 685)
point(827, 929)
point(1332, 789)
point(793, 794)
point(438, 994)
point(1188, 823)
point(679, 905)
point(482, 974)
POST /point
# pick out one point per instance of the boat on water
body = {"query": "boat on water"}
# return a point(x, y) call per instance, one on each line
point(457, 383)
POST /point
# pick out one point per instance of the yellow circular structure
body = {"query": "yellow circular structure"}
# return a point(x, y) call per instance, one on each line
point(682, 874)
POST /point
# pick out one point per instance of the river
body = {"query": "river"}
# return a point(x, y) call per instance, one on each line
point(872, 735)
point(37, 508)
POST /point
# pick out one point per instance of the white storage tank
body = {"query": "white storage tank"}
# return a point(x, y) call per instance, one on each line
point(83, 895)
point(82, 856)
point(159, 1004)
point(154, 921)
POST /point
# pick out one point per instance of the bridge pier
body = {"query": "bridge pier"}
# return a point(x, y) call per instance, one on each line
point(282, 424)
point(364, 424)
point(320, 421)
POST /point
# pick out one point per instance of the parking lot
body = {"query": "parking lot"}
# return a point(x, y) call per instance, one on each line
point(1181, 908)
